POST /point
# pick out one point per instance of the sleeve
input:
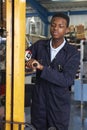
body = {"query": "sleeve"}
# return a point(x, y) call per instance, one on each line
point(33, 50)
point(66, 77)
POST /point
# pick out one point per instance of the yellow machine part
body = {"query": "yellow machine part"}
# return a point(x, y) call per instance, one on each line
point(15, 66)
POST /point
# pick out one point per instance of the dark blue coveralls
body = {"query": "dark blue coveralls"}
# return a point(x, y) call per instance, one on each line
point(51, 96)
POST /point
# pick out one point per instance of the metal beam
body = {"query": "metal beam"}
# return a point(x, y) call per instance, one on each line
point(42, 12)
point(82, 12)
point(8, 62)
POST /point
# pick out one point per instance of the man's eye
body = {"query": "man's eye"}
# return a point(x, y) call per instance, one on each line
point(61, 26)
point(52, 25)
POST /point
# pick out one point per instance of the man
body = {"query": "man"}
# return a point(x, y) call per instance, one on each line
point(56, 65)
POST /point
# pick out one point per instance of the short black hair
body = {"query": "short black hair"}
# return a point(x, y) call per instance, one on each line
point(62, 15)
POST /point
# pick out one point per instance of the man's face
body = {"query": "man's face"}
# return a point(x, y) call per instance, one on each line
point(58, 27)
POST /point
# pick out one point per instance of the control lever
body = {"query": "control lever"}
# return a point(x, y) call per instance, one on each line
point(35, 64)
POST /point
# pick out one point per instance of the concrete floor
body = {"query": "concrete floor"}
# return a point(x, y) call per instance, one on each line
point(76, 122)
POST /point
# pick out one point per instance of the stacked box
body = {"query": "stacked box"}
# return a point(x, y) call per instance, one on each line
point(80, 32)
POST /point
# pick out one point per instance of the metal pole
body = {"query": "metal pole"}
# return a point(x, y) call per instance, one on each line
point(82, 102)
point(15, 63)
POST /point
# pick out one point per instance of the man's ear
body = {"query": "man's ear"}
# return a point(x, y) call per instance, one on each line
point(67, 30)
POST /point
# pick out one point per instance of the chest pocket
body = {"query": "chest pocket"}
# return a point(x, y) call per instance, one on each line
point(57, 66)
point(59, 62)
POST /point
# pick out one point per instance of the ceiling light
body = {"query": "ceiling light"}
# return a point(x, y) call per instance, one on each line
point(32, 20)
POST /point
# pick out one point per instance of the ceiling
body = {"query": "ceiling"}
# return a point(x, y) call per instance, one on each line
point(64, 5)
